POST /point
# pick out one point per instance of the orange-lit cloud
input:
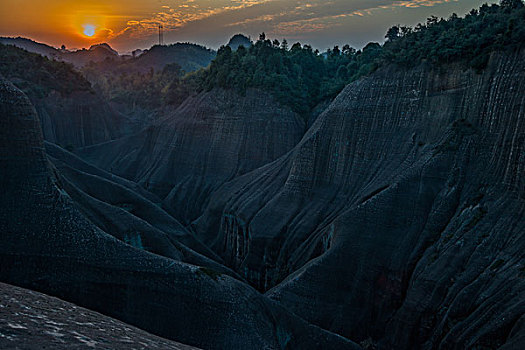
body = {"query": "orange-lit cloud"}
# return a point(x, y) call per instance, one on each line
point(127, 24)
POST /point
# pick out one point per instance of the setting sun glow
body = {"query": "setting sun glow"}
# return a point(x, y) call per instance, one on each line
point(130, 24)
point(89, 29)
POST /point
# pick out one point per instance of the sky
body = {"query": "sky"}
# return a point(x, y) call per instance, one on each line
point(131, 24)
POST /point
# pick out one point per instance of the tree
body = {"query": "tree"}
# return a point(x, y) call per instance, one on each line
point(403, 31)
point(342, 73)
point(348, 50)
point(392, 34)
point(511, 4)
point(284, 45)
point(432, 20)
point(296, 47)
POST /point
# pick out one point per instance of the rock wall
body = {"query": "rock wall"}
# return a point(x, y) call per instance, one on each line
point(49, 245)
point(399, 217)
point(210, 139)
point(80, 119)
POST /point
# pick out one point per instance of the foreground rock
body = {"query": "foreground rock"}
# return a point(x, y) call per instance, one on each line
point(50, 246)
point(210, 139)
point(399, 217)
point(31, 320)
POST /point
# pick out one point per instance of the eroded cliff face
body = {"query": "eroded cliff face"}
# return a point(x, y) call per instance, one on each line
point(50, 244)
point(79, 119)
point(210, 139)
point(399, 215)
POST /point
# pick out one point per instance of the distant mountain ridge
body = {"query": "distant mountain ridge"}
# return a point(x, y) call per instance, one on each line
point(104, 46)
point(189, 56)
point(31, 46)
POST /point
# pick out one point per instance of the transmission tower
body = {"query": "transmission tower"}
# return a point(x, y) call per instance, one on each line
point(161, 35)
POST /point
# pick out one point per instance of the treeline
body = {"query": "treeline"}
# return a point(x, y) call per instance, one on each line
point(470, 39)
point(37, 75)
point(145, 90)
point(297, 76)
point(301, 77)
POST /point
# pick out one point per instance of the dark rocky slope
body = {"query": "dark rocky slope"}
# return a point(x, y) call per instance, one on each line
point(50, 246)
point(211, 138)
point(128, 212)
point(400, 214)
point(31, 320)
point(79, 119)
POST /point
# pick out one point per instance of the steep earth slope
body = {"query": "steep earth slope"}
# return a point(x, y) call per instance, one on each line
point(48, 245)
point(128, 212)
point(210, 139)
point(79, 119)
point(400, 214)
point(31, 320)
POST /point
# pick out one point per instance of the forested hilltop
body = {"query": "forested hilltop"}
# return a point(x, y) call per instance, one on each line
point(37, 75)
point(301, 77)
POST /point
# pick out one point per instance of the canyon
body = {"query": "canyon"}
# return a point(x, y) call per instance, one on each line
point(392, 217)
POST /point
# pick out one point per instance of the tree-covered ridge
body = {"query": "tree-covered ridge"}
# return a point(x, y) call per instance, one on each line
point(147, 90)
point(188, 56)
point(470, 39)
point(37, 75)
point(300, 77)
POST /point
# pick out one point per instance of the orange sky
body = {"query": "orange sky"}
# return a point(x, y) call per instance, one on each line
point(129, 24)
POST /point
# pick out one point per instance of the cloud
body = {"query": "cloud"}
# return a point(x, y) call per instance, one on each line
point(276, 17)
point(187, 12)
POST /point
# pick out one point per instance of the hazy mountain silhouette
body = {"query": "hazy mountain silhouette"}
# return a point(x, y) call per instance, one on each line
point(238, 40)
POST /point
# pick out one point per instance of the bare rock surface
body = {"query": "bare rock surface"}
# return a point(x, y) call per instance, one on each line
point(211, 138)
point(79, 119)
point(49, 245)
point(399, 217)
point(32, 320)
point(129, 213)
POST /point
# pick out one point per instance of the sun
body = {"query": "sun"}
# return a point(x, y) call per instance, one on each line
point(89, 29)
